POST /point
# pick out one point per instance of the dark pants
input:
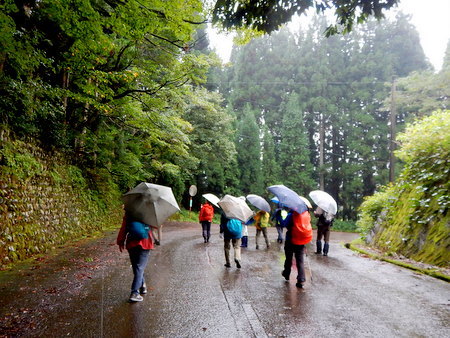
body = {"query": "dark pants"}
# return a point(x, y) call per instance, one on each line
point(206, 230)
point(139, 259)
point(290, 250)
point(323, 231)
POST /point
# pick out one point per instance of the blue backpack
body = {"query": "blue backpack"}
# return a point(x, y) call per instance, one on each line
point(137, 230)
point(234, 227)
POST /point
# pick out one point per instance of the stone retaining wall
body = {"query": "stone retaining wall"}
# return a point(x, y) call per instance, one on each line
point(40, 212)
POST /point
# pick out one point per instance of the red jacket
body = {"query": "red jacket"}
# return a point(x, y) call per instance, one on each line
point(146, 243)
point(301, 228)
point(206, 213)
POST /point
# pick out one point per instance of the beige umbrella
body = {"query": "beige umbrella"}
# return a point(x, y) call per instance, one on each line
point(212, 198)
point(307, 202)
point(150, 203)
point(235, 207)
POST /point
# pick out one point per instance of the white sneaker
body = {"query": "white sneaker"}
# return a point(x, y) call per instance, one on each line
point(135, 297)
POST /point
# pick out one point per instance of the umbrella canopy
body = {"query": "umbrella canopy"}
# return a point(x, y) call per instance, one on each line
point(288, 198)
point(324, 201)
point(212, 198)
point(235, 207)
point(258, 202)
point(307, 202)
point(150, 203)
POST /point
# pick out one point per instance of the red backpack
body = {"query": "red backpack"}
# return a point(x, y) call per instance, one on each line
point(301, 230)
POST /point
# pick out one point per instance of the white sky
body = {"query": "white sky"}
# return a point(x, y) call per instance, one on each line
point(431, 19)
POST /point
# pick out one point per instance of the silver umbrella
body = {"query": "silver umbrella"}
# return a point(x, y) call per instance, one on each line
point(324, 201)
point(150, 203)
point(258, 202)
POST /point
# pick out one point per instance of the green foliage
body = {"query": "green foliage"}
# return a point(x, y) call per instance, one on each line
point(249, 154)
point(371, 210)
point(412, 216)
point(268, 16)
point(344, 226)
point(294, 149)
point(339, 83)
point(17, 159)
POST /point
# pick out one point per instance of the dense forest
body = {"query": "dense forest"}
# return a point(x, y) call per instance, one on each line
point(126, 101)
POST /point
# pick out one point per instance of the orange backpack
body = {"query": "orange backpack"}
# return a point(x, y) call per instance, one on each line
point(301, 230)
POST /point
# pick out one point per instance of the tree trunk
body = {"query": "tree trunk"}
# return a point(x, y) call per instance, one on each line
point(321, 152)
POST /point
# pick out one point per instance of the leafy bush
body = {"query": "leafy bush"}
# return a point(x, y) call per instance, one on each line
point(346, 226)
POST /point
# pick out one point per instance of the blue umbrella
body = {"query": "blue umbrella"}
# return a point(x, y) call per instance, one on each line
point(288, 198)
point(258, 202)
point(275, 200)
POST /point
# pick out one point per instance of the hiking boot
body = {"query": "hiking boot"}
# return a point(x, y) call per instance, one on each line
point(325, 254)
point(143, 289)
point(318, 252)
point(286, 276)
point(257, 247)
point(135, 297)
point(299, 285)
point(227, 265)
point(238, 264)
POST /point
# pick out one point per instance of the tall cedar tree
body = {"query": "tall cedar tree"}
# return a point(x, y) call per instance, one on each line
point(249, 154)
point(294, 149)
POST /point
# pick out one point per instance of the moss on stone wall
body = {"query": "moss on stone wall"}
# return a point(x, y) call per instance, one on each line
point(46, 202)
point(411, 217)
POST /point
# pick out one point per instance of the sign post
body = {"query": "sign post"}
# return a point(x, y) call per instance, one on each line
point(192, 192)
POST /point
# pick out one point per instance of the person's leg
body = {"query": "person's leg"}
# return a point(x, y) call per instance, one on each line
point(237, 251)
point(264, 231)
point(226, 246)
point(326, 239)
point(139, 259)
point(258, 233)
point(244, 241)
point(280, 234)
point(208, 231)
point(319, 240)
point(288, 261)
point(299, 258)
point(204, 230)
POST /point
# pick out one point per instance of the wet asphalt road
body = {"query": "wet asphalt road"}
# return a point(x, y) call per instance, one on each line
point(191, 294)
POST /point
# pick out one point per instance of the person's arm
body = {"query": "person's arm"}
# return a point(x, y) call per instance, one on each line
point(122, 235)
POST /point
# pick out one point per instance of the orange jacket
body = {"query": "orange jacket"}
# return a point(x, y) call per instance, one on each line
point(301, 232)
point(206, 213)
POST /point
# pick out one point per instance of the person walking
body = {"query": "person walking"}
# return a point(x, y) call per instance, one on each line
point(261, 223)
point(298, 234)
point(137, 238)
point(205, 217)
point(231, 230)
point(324, 224)
point(278, 217)
point(244, 239)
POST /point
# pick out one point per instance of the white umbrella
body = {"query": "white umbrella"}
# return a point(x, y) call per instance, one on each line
point(150, 203)
point(235, 207)
point(212, 198)
point(324, 201)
